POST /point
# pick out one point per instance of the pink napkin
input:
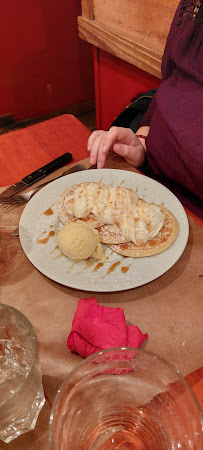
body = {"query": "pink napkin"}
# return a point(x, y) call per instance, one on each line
point(96, 328)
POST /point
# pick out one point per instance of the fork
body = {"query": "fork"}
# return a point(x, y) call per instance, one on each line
point(13, 201)
point(23, 198)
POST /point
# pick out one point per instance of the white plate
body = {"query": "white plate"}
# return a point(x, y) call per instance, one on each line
point(109, 277)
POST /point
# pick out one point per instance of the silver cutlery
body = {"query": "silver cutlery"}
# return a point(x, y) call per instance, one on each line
point(37, 175)
point(12, 201)
point(23, 198)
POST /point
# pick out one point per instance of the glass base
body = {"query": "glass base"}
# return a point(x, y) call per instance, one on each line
point(26, 423)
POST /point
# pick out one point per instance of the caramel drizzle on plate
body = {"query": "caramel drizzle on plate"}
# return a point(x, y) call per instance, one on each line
point(45, 240)
point(48, 212)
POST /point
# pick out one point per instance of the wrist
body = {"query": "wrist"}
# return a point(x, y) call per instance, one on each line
point(142, 133)
point(141, 136)
point(142, 139)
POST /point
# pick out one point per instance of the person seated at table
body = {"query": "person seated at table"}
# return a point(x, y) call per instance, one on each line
point(169, 139)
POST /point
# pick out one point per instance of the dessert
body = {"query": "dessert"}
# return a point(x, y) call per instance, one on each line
point(128, 224)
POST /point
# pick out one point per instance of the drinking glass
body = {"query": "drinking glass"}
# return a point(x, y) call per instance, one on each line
point(125, 398)
point(21, 391)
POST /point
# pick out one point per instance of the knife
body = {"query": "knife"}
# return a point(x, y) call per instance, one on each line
point(37, 175)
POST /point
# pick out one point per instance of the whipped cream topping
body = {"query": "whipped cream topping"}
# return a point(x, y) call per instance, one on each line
point(138, 220)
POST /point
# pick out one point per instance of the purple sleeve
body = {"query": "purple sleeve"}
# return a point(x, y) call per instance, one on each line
point(149, 113)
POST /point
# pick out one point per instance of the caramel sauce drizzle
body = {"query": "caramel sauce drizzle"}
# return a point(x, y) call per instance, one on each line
point(124, 246)
point(72, 266)
point(58, 256)
point(111, 268)
point(152, 243)
point(54, 249)
point(45, 240)
point(125, 269)
point(48, 212)
point(109, 255)
point(43, 232)
point(97, 267)
point(89, 264)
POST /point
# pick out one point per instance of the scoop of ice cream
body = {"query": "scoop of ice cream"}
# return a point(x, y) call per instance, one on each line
point(78, 240)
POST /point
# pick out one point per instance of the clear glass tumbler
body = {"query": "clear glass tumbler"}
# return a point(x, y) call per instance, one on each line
point(21, 391)
point(125, 399)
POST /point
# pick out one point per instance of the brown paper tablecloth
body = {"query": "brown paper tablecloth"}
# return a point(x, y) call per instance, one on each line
point(169, 309)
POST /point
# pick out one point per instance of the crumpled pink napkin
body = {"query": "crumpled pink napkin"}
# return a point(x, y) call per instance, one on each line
point(96, 328)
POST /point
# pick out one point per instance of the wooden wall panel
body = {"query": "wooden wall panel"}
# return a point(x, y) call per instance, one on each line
point(87, 9)
point(133, 30)
point(146, 21)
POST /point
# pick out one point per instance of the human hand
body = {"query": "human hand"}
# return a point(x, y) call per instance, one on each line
point(122, 141)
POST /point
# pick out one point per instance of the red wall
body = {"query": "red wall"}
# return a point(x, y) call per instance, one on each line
point(45, 67)
point(116, 83)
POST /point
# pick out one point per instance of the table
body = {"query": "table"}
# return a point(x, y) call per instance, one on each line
point(169, 309)
point(27, 149)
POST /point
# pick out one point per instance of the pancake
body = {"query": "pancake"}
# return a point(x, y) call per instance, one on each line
point(158, 244)
point(65, 217)
point(111, 234)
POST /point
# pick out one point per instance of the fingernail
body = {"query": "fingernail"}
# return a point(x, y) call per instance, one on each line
point(104, 148)
point(91, 160)
point(99, 165)
point(88, 148)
